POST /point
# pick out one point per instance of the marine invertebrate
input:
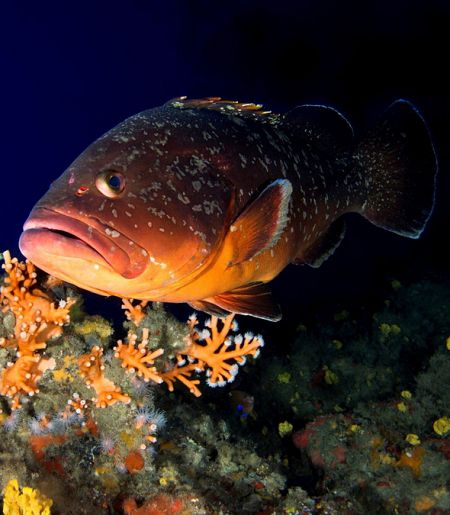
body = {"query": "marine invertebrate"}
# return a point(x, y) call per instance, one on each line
point(24, 500)
point(92, 370)
point(216, 352)
point(37, 320)
point(441, 426)
point(109, 434)
point(149, 421)
point(134, 312)
point(139, 359)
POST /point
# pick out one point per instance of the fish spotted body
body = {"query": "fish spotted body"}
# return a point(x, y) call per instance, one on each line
point(205, 201)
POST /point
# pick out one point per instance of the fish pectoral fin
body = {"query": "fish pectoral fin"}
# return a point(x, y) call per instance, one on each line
point(260, 225)
point(323, 247)
point(254, 300)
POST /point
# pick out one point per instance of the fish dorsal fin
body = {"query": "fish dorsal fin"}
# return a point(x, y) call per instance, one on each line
point(231, 107)
point(324, 246)
point(260, 225)
point(254, 299)
point(322, 125)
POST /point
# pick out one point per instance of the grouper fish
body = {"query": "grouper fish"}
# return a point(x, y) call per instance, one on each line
point(205, 201)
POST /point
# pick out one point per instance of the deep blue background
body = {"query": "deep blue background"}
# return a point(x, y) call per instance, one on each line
point(69, 71)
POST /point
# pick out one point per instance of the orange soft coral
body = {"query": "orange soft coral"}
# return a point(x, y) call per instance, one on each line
point(139, 359)
point(134, 312)
point(216, 351)
point(92, 370)
point(37, 320)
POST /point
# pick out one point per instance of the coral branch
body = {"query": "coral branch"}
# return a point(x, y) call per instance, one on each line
point(134, 312)
point(183, 374)
point(92, 370)
point(37, 320)
point(215, 351)
point(139, 359)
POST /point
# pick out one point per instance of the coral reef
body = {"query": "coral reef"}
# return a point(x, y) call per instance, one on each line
point(368, 395)
point(350, 415)
point(81, 407)
point(37, 320)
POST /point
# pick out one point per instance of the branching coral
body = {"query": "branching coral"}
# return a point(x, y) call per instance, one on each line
point(37, 320)
point(139, 358)
point(96, 414)
point(216, 352)
point(92, 370)
point(134, 312)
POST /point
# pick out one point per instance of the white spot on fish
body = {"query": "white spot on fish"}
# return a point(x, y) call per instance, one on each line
point(112, 233)
point(243, 160)
point(210, 206)
point(183, 198)
point(157, 263)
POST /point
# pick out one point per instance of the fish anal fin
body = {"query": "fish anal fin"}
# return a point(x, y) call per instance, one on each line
point(260, 225)
point(209, 307)
point(324, 246)
point(255, 300)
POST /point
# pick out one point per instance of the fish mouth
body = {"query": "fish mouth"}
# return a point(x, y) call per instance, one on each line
point(48, 233)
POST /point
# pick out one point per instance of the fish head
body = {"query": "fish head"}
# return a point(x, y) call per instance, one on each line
point(136, 214)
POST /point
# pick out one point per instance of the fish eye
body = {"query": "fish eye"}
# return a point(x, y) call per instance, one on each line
point(110, 183)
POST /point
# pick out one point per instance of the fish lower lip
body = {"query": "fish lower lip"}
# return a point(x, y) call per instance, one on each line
point(50, 232)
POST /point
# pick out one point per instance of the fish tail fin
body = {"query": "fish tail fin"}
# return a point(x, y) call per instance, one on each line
point(398, 163)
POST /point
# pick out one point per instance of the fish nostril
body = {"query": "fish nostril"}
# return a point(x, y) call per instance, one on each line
point(81, 191)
